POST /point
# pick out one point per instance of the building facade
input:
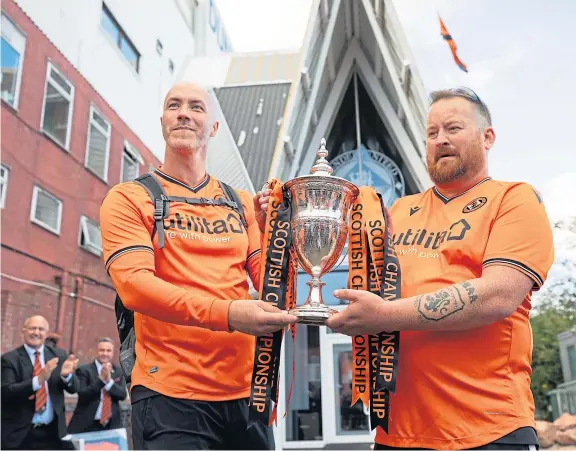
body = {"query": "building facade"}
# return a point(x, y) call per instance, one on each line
point(82, 88)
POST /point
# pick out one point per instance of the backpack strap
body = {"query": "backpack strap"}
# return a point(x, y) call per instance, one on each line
point(234, 199)
point(159, 200)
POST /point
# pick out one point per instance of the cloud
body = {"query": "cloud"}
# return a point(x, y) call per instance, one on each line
point(482, 73)
point(559, 195)
point(264, 25)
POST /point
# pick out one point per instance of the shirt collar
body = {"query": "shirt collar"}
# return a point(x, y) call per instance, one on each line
point(32, 352)
point(98, 365)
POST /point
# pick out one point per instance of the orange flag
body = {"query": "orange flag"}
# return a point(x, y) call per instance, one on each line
point(448, 38)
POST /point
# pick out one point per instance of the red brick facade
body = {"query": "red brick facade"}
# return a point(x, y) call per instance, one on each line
point(75, 294)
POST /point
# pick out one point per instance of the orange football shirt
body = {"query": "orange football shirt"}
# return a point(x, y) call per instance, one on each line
point(467, 388)
point(190, 282)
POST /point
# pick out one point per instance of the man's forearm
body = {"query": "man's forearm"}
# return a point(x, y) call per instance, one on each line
point(143, 292)
point(469, 304)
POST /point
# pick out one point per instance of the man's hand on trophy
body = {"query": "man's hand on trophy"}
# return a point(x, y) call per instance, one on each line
point(361, 316)
point(256, 317)
point(261, 200)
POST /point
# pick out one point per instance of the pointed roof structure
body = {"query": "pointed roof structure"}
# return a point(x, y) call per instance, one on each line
point(276, 106)
point(343, 38)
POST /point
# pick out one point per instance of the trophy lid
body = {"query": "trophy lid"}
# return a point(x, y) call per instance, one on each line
point(322, 167)
point(322, 172)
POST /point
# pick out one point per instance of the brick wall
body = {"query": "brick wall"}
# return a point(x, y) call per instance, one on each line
point(32, 253)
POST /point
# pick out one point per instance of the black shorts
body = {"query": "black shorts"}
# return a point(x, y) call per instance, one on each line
point(524, 438)
point(161, 422)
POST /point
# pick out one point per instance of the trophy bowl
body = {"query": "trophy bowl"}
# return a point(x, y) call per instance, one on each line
point(320, 207)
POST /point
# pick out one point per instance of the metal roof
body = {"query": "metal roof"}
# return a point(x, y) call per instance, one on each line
point(256, 67)
point(254, 114)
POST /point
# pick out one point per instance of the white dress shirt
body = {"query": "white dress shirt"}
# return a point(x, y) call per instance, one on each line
point(47, 416)
point(107, 387)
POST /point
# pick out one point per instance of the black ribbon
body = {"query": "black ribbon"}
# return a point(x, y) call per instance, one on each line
point(264, 384)
point(385, 346)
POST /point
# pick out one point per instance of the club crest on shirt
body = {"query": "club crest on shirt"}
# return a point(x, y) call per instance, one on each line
point(475, 205)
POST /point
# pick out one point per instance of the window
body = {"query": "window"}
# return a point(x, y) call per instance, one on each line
point(13, 45)
point(98, 144)
point(57, 109)
point(571, 362)
point(90, 238)
point(113, 29)
point(131, 160)
point(46, 210)
point(3, 185)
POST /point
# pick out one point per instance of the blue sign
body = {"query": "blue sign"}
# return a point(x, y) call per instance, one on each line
point(377, 170)
point(218, 28)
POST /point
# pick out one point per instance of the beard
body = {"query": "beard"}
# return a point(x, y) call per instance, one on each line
point(465, 163)
point(186, 143)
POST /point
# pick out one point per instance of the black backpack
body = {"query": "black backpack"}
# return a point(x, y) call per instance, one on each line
point(161, 202)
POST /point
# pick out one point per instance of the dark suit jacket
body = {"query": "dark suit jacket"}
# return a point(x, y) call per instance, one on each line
point(18, 402)
point(89, 397)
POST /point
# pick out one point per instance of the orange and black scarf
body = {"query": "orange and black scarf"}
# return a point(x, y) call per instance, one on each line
point(373, 266)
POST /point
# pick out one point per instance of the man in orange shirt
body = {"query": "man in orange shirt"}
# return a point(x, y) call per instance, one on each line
point(193, 315)
point(471, 250)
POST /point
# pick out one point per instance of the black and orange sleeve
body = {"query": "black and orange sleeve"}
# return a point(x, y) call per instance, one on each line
point(129, 257)
point(521, 235)
point(254, 241)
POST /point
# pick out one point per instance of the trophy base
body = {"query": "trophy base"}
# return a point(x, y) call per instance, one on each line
point(312, 316)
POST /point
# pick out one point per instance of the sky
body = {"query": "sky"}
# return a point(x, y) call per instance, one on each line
point(521, 57)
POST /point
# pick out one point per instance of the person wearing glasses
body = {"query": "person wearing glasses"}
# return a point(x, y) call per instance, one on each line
point(34, 377)
point(471, 251)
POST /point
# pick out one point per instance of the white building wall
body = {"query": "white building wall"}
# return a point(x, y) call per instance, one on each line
point(209, 25)
point(74, 28)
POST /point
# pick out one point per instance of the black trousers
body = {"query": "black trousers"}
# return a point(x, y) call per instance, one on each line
point(161, 422)
point(489, 446)
point(95, 426)
point(45, 437)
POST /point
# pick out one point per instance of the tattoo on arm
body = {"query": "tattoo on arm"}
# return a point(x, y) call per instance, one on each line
point(470, 291)
point(445, 302)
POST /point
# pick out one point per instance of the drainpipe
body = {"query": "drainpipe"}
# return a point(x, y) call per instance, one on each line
point(78, 290)
point(61, 312)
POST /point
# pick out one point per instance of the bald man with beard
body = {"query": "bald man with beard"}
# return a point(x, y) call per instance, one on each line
point(34, 377)
point(194, 320)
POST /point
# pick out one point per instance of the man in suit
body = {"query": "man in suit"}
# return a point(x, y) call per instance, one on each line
point(101, 388)
point(34, 377)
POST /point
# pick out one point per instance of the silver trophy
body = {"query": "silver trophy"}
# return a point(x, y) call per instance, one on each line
point(320, 207)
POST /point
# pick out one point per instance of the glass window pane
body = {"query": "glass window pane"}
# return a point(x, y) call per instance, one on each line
point(94, 236)
point(47, 209)
point(56, 115)
point(10, 63)
point(129, 52)
point(572, 361)
point(350, 420)
point(100, 120)
point(55, 76)
point(97, 152)
point(129, 168)
point(304, 418)
point(3, 184)
point(109, 25)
